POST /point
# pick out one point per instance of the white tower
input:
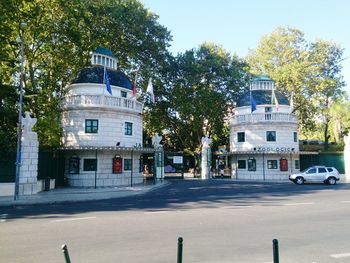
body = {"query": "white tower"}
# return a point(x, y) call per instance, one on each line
point(263, 134)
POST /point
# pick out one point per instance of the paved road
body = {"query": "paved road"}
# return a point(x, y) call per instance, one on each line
point(220, 221)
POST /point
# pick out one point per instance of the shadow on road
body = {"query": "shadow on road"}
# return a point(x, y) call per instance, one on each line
point(181, 195)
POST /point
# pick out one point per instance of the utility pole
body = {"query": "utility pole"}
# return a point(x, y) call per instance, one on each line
point(19, 133)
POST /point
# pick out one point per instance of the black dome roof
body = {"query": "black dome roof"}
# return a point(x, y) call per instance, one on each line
point(261, 97)
point(95, 75)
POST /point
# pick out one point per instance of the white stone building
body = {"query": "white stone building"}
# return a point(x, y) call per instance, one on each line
point(263, 135)
point(102, 126)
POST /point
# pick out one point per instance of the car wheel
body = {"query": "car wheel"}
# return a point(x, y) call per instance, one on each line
point(299, 180)
point(331, 180)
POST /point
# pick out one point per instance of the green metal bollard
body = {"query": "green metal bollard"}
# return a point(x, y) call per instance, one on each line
point(65, 252)
point(179, 249)
point(275, 251)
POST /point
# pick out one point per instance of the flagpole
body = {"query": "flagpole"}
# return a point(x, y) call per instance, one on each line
point(104, 79)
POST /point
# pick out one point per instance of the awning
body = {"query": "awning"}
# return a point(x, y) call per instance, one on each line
point(108, 148)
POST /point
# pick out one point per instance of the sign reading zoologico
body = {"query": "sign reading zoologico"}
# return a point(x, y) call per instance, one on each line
point(273, 149)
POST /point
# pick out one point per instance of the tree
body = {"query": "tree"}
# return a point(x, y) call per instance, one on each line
point(339, 119)
point(327, 81)
point(59, 36)
point(308, 71)
point(205, 83)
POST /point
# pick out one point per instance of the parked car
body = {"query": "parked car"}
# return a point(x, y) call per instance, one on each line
point(316, 174)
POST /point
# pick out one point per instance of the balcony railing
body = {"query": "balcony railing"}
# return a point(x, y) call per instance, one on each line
point(264, 117)
point(81, 101)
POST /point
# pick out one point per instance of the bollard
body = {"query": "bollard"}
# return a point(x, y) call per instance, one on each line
point(66, 254)
point(179, 250)
point(275, 251)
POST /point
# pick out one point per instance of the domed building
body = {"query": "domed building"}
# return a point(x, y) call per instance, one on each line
point(263, 134)
point(102, 126)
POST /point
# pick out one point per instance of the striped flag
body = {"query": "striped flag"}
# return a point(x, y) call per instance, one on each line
point(134, 87)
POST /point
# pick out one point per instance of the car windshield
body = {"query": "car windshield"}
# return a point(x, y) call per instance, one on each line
point(303, 171)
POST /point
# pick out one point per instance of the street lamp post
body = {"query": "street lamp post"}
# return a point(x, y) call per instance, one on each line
point(18, 156)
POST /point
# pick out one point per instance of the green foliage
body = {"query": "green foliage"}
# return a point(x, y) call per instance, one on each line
point(310, 72)
point(204, 84)
point(59, 36)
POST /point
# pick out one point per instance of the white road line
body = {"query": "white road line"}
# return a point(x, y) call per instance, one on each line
point(236, 206)
point(345, 201)
point(3, 217)
point(343, 255)
point(296, 204)
point(72, 219)
point(155, 212)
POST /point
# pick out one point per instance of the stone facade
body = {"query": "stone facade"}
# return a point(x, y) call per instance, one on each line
point(102, 126)
point(29, 158)
point(104, 177)
point(264, 141)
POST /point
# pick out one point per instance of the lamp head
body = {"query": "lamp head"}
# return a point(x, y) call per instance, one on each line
point(23, 25)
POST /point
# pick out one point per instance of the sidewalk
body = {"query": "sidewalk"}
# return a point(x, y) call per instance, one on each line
point(72, 194)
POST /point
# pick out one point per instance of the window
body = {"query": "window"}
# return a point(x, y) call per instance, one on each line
point(295, 135)
point(311, 171)
point(240, 136)
point(329, 169)
point(128, 128)
point(74, 165)
point(271, 164)
point(251, 164)
point(297, 164)
point(91, 126)
point(123, 94)
point(268, 111)
point(90, 164)
point(322, 170)
point(271, 136)
point(127, 165)
point(242, 164)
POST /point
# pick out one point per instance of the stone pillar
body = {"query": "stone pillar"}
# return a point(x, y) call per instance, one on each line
point(158, 157)
point(205, 173)
point(347, 157)
point(29, 158)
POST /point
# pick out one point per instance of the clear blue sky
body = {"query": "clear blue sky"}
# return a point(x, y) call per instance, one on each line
point(238, 25)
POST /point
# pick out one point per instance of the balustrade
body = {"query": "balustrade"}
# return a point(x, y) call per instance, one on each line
point(264, 117)
point(74, 101)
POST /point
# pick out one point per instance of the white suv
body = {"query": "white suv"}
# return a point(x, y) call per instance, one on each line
point(317, 174)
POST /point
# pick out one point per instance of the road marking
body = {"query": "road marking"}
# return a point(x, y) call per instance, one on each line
point(343, 255)
point(345, 201)
point(236, 206)
point(155, 212)
point(296, 204)
point(3, 217)
point(72, 219)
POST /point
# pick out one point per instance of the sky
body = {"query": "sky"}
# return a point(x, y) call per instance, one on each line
point(238, 25)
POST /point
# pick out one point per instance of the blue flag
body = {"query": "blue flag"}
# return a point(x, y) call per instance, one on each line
point(252, 103)
point(108, 85)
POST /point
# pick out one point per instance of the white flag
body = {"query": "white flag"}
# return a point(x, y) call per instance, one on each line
point(149, 89)
point(274, 100)
point(291, 103)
